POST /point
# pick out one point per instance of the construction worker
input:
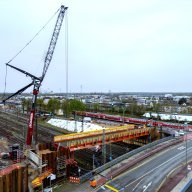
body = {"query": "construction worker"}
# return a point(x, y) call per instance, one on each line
point(93, 182)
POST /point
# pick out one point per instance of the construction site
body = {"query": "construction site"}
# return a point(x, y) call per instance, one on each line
point(36, 157)
point(39, 157)
point(64, 157)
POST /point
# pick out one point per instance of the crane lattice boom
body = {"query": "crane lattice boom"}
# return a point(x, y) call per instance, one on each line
point(36, 81)
point(53, 41)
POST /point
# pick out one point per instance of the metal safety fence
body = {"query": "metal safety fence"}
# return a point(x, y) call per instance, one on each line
point(89, 175)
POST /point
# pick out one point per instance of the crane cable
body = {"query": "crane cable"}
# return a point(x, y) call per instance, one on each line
point(6, 120)
point(66, 51)
point(33, 37)
point(5, 83)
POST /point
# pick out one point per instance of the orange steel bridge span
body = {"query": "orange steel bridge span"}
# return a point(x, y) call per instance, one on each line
point(90, 139)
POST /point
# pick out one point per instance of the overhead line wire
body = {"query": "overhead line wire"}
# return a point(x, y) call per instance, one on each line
point(33, 37)
point(66, 52)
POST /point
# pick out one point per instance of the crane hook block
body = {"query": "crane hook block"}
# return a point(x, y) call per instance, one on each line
point(35, 92)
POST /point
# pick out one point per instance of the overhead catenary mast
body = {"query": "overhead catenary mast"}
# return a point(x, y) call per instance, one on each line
point(36, 81)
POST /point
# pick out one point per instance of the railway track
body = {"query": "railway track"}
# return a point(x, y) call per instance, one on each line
point(13, 126)
point(11, 132)
point(85, 156)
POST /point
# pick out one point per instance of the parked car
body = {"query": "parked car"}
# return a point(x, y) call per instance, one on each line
point(181, 132)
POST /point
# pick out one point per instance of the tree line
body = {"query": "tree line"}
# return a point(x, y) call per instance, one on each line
point(128, 108)
point(54, 105)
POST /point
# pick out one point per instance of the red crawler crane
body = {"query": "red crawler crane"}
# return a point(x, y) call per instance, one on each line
point(36, 81)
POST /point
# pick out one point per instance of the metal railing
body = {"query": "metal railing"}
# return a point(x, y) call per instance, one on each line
point(123, 157)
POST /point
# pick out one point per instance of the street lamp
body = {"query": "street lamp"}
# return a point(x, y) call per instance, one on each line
point(79, 171)
point(185, 136)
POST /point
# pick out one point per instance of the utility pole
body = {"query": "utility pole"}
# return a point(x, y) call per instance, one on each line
point(110, 152)
point(93, 161)
point(82, 128)
point(75, 118)
point(104, 147)
point(123, 114)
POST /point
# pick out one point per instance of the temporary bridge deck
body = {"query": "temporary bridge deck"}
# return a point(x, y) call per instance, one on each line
point(89, 139)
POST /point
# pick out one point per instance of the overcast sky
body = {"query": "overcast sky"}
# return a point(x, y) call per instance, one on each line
point(117, 46)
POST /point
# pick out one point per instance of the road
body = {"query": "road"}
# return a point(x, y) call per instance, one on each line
point(148, 176)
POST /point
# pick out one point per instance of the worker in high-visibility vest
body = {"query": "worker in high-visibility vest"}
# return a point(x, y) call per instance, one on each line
point(93, 182)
